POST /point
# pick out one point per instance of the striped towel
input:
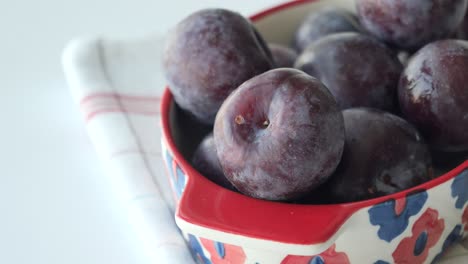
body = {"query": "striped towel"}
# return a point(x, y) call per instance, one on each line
point(117, 85)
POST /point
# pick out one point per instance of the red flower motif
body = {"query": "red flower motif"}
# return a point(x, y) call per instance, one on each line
point(329, 256)
point(223, 253)
point(426, 231)
point(465, 219)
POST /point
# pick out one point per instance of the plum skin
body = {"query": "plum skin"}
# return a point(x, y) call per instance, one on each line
point(383, 154)
point(411, 24)
point(433, 94)
point(359, 70)
point(462, 32)
point(205, 160)
point(323, 22)
point(282, 56)
point(279, 135)
point(208, 55)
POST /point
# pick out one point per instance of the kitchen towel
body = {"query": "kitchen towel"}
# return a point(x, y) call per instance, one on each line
point(117, 85)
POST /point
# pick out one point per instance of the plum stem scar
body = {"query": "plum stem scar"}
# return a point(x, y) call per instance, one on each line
point(239, 120)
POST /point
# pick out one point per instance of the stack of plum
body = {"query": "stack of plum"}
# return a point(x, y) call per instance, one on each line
point(358, 107)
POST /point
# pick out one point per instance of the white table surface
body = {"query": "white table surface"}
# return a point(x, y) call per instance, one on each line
point(55, 202)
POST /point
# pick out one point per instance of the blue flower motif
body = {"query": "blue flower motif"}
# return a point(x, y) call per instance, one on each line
point(454, 236)
point(381, 262)
point(197, 250)
point(179, 181)
point(177, 177)
point(420, 244)
point(391, 224)
point(220, 249)
point(317, 260)
point(460, 189)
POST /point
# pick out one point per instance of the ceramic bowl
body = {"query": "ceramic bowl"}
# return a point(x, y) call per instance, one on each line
point(221, 226)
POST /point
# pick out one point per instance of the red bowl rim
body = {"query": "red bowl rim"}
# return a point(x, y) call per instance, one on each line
point(208, 205)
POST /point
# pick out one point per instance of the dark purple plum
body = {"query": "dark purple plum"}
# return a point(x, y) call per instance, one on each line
point(383, 154)
point(282, 56)
point(279, 135)
point(462, 32)
point(208, 55)
point(411, 24)
point(358, 70)
point(323, 22)
point(433, 94)
point(180, 122)
point(319, 195)
point(205, 160)
point(445, 161)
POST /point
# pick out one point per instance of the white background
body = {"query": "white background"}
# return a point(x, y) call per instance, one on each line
point(55, 203)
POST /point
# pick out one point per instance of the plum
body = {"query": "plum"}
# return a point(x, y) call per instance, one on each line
point(433, 94)
point(319, 195)
point(282, 56)
point(181, 121)
point(279, 135)
point(205, 160)
point(411, 24)
point(462, 32)
point(323, 22)
point(358, 70)
point(445, 161)
point(208, 55)
point(383, 154)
